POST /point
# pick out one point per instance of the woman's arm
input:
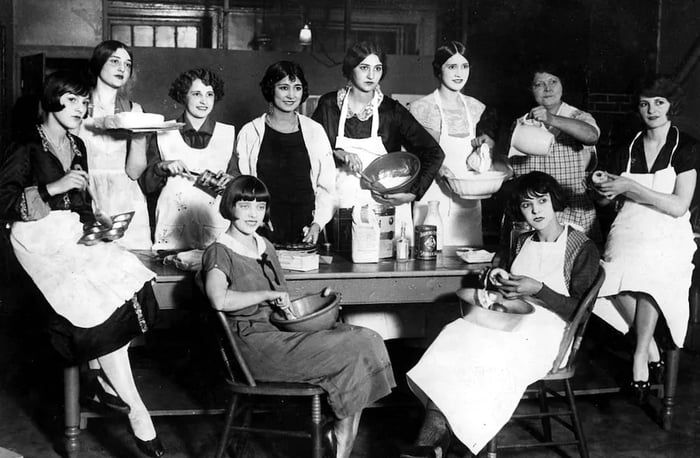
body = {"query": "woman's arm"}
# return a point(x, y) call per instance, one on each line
point(136, 156)
point(580, 130)
point(153, 178)
point(224, 299)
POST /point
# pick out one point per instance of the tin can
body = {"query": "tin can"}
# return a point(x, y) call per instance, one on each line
point(385, 217)
point(425, 241)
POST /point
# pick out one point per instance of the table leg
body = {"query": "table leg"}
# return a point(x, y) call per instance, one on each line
point(670, 383)
point(71, 391)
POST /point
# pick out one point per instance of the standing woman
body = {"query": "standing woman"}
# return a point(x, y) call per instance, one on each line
point(100, 295)
point(460, 123)
point(572, 151)
point(187, 217)
point(116, 159)
point(363, 124)
point(649, 251)
point(291, 154)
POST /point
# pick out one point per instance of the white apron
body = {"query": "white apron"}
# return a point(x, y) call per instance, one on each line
point(84, 284)
point(461, 218)
point(651, 252)
point(476, 376)
point(394, 323)
point(115, 191)
point(187, 217)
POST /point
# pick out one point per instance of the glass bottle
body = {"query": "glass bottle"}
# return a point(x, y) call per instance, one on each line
point(433, 218)
point(402, 245)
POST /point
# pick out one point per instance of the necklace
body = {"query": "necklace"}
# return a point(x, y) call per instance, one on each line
point(283, 126)
point(62, 151)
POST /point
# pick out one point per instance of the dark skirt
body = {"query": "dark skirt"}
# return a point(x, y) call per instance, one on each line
point(349, 362)
point(131, 319)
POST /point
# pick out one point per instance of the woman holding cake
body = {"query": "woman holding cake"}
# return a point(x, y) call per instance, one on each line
point(187, 217)
point(116, 158)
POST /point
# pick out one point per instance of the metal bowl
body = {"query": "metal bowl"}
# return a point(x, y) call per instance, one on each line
point(396, 172)
point(315, 311)
point(506, 320)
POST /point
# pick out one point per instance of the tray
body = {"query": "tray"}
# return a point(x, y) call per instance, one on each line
point(156, 128)
point(96, 233)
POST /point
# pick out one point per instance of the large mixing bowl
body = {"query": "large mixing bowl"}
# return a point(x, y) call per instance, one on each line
point(504, 318)
point(316, 312)
point(395, 172)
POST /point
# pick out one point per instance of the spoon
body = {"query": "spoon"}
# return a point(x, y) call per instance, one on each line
point(376, 185)
point(100, 216)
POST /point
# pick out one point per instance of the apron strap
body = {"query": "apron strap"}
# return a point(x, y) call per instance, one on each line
point(344, 114)
point(673, 151)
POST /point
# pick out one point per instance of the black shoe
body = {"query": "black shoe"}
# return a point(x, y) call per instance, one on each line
point(657, 371)
point(419, 451)
point(639, 390)
point(94, 395)
point(153, 447)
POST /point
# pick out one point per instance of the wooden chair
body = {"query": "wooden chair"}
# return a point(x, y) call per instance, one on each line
point(244, 387)
point(571, 339)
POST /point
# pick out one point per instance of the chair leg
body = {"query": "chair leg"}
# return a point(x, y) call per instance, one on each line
point(316, 428)
point(71, 390)
point(223, 443)
point(544, 408)
point(492, 447)
point(578, 429)
point(670, 382)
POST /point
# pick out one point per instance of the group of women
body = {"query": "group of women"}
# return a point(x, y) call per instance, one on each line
point(292, 172)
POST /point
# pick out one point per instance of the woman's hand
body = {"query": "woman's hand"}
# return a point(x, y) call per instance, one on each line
point(74, 179)
point(311, 233)
point(394, 199)
point(280, 298)
point(497, 275)
point(615, 186)
point(351, 160)
point(481, 139)
point(172, 168)
point(445, 172)
point(519, 285)
point(540, 113)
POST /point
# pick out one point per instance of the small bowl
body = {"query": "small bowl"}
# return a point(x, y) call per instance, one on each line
point(399, 170)
point(91, 239)
point(477, 185)
point(315, 311)
point(508, 320)
point(123, 217)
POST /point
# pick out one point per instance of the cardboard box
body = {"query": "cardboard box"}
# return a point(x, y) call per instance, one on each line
point(298, 260)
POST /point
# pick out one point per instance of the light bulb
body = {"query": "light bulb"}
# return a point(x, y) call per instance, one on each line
point(305, 35)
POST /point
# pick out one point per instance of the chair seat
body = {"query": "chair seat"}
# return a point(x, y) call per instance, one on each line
point(276, 389)
point(561, 374)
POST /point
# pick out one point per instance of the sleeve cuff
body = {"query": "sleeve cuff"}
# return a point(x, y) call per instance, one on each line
point(33, 205)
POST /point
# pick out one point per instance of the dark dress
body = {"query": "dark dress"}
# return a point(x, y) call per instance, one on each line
point(28, 168)
point(284, 166)
point(349, 362)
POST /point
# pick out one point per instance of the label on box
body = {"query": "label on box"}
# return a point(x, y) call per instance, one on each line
point(295, 260)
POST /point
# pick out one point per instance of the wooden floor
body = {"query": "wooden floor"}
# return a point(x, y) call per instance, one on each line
point(179, 373)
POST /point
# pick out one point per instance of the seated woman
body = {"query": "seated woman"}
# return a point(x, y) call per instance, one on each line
point(471, 378)
point(242, 276)
point(649, 252)
point(187, 217)
point(100, 295)
point(291, 153)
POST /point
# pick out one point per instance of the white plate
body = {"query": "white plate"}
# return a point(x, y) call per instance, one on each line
point(475, 256)
point(157, 128)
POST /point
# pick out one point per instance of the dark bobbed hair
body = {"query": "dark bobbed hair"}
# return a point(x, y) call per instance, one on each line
point(244, 187)
point(101, 53)
point(359, 52)
point(553, 67)
point(535, 184)
point(661, 86)
point(59, 83)
point(445, 52)
point(182, 84)
point(277, 72)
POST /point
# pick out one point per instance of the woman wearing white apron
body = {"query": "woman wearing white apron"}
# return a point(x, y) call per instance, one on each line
point(460, 123)
point(472, 378)
point(116, 160)
point(187, 217)
point(649, 251)
point(363, 124)
point(100, 296)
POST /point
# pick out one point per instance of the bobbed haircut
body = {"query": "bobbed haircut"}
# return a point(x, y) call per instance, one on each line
point(277, 72)
point(553, 67)
point(445, 52)
point(59, 83)
point(182, 84)
point(244, 187)
point(359, 52)
point(661, 86)
point(535, 184)
point(101, 53)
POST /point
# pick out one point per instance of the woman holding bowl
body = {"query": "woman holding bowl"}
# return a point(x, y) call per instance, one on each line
point(116, 159)
point(649, 251)
point(571, 153)
point(290, 153)
point(460, 123)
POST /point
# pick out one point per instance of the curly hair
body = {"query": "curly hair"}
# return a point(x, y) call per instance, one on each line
point(182, 84)
point(277, 72)
point(661, 86)
point(445, 52)
point(359, 52)
point(531, 185)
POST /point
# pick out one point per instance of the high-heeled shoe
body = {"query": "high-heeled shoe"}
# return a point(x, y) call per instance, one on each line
point(153, 447)
point(94, 395)
point(639, 390)
point(657, 371)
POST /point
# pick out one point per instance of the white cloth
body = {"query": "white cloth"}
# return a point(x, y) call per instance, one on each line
point(187, 217)
point(322, 173)
point(461, 218)
point(115, 191)
point(475, 375)
point(84, 284)
point(651, 252)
